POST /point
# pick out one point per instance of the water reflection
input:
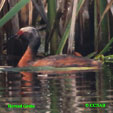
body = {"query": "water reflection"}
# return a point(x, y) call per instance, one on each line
point(63, 93)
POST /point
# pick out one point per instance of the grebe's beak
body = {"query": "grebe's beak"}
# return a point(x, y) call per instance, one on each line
point(13, 36)
point(17, 35)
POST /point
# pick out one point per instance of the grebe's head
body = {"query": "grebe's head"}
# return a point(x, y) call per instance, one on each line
point(28, 33)
point(31, 36)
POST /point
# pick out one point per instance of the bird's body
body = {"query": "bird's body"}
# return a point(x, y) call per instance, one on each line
point(30, 34)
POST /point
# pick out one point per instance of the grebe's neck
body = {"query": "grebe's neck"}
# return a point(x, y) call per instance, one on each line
point(30, 53)
point(26, 58)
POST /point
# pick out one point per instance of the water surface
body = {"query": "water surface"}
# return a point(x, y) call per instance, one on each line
point(57, 93)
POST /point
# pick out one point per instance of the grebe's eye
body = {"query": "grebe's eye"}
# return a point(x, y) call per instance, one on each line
point(20, 32)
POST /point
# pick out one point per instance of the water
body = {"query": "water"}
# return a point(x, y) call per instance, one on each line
point(63, 93)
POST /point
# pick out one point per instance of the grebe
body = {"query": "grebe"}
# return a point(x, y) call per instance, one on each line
point(31, 35)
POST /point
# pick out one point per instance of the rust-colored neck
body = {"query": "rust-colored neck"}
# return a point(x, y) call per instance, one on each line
point(26, 58)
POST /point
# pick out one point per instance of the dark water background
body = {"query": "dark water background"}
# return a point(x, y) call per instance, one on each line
point(63, 93)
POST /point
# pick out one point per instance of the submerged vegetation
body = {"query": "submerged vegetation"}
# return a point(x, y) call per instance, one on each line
point(67, 26)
